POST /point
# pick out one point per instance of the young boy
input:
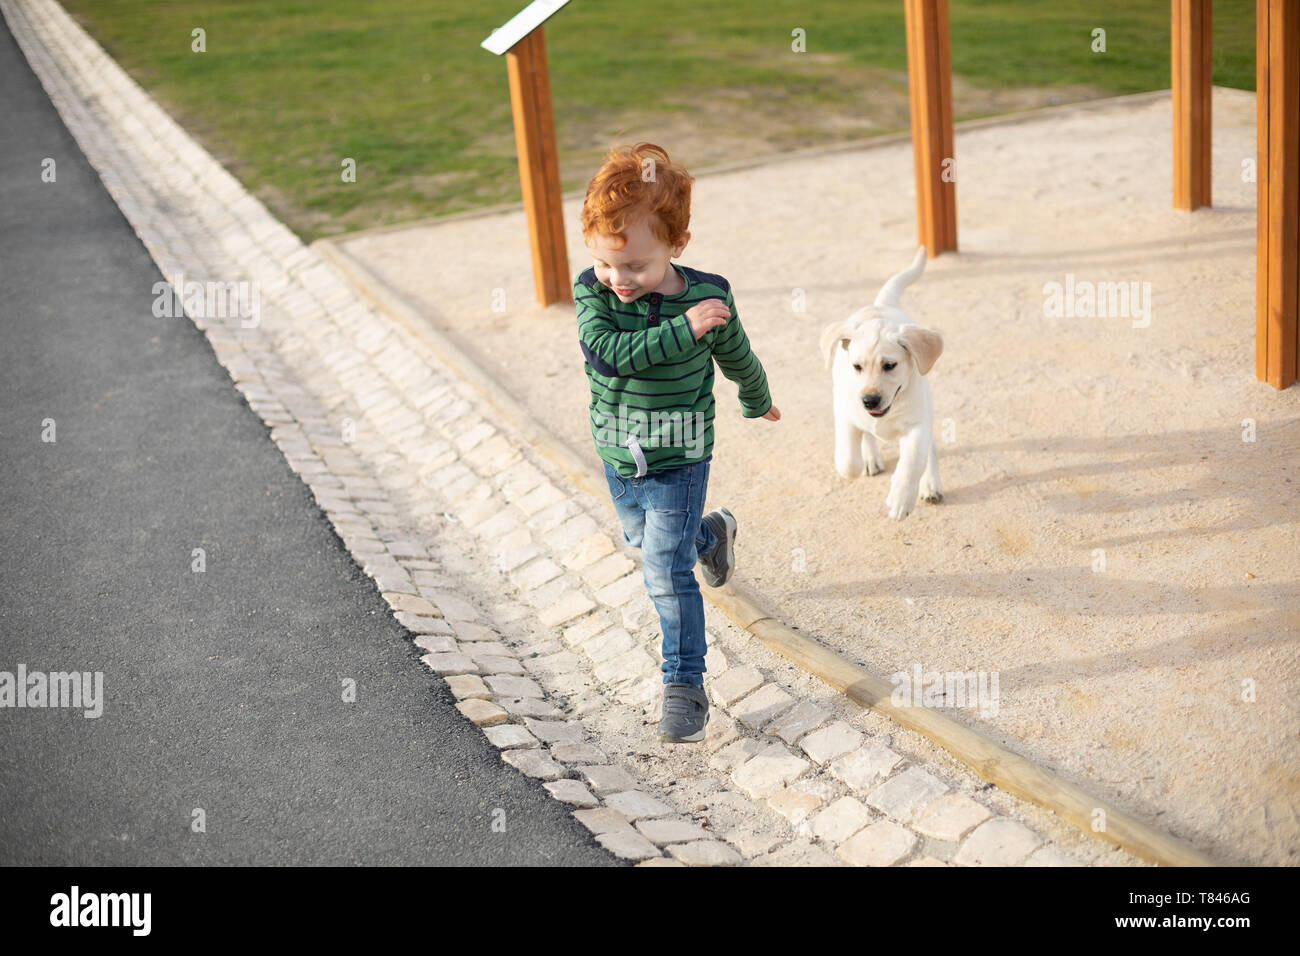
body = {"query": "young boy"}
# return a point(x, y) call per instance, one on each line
point(650, 331)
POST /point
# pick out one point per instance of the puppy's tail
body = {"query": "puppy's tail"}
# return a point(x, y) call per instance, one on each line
point(892, 289)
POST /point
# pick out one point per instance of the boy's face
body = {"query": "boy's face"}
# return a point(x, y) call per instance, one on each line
point(641, 266)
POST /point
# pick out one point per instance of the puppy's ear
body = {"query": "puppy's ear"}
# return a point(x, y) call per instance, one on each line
point(835, 336)
point(925, 345)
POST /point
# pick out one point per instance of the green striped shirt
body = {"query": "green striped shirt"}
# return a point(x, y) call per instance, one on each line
point(651, 381)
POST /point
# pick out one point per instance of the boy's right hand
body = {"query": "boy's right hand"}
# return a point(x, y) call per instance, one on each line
point(707, 315)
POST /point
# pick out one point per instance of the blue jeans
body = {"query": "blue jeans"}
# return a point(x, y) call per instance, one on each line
point(660, 513)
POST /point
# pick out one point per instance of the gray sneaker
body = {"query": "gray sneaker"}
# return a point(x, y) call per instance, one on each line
point(686, 711)
point(719, 564)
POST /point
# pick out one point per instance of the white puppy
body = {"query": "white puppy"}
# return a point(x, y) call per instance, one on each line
point(879, 390)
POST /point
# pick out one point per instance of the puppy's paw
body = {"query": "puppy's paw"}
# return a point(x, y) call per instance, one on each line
point(931, 492)
point(872, 460)
point(848, 469)
point(899, 508)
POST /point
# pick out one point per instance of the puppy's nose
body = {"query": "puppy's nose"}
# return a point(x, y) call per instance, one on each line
point(871, 400)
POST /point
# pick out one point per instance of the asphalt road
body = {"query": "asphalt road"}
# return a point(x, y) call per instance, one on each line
point(222, 690)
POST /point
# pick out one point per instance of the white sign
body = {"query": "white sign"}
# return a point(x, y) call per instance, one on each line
point(521, 24)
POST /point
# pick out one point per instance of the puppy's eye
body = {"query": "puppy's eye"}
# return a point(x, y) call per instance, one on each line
point(889, 366)
point(857, 367)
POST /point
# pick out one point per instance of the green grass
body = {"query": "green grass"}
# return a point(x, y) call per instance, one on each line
point(287, 90)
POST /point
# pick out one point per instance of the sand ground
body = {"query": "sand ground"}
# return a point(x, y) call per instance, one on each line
point(1069, 441)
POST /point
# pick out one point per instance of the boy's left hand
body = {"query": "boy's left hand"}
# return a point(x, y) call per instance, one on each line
point(773, 414)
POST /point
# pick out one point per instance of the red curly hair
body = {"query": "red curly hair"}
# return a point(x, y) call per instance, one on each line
point(634, 181)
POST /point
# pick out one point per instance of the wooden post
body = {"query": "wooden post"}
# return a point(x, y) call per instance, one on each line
point(929, 73)
point(539, 167)
point(1190, 80)
point(1277, 247)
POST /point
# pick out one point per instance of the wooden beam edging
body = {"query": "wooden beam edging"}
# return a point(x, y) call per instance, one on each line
point(1005, 769)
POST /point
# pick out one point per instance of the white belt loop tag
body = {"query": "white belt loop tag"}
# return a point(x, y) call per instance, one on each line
point(635, 447)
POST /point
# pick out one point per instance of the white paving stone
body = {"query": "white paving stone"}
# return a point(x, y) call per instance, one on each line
point(903, 795)
point(537, 573)
point(840, 820)
point(636, 805)
point(866, 767)
point(535, 763)
point(454, 607)
point(467, 631)
point(608, 645)
point(586, 629)
point(503, 685)
point(449, 664)
point(797, 721)
point(569, 606)
point(567, 535)
point(628, 844)
point(583, 753)
point(541, 496)
point(571, 792)
point(436, 644)
point(664, 831)
point(422, 625)
point(950, 817)
point(554, 516)
point(769, 770)
point(884, 843)
point(607, 779)
point(529, 707)
point(587, 551)
point(622, 590)
point(638, 612)
point(733, 754)
point(705, 853)
point(758, 708)
point(550, 665)
point(1050, 856)
point(602, 820)
point(997, 842)
point(466, 686)
point(510, 736)
point(629, 666)
point(831, 742)
point(503, 666)
point(731, 686)
point(606, 571)
point(481, 649)
point(555, 731)
point(801, 853)
point(484, 713)
point(795, 804)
